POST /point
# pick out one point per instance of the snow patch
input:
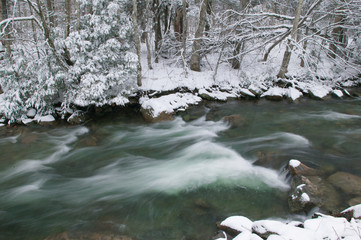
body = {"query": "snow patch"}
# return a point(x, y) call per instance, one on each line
point(305, 198)
point(293, 94)
point(337, 93)
point(168, 103)
point(238, 223)
point(274, 91)
point(319, 91)
point(294, 163)
point(47, 118)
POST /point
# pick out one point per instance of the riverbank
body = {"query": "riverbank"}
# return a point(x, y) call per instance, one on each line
point(159, 105)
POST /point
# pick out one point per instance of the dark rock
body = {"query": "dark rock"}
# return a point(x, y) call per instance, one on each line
point(354, 201)
point(234, 120)
point(312, 191)
point(78, 117)
point(163, 116)
point(201, 203)
point(283, 83)
point(271, 159)
point(297, 168)
point(347, 182)
point(229, 231)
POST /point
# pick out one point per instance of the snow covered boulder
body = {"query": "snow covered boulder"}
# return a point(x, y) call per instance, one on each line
point(78, 117)
point(46, 120)
point(274, 94)
point(337, 93)
point(31, 113)
point(235, 225)
point(246, 93)
point(293, 94)
point(352, 212)
point(312, 191)
point(297, 168)
point(347, 182)
point(163, 108)
point(257, 90)
point(214, 95)
point(319, 92)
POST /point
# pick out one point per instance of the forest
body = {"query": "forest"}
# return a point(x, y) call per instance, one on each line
point(89, 52)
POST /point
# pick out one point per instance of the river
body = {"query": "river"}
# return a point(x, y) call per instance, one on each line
point(171, 180)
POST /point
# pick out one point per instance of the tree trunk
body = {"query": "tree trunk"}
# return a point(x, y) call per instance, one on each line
point(34, 32)
point(184, 35)
point(195, 63)
point(137, 42)
point(4, 14)
point(338, 33)
point(146, 34)
point(68, 17)
point(50, 7)
point(287, 55)
point(157, 28)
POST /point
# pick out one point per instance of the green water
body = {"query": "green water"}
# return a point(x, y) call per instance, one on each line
point(171, 180)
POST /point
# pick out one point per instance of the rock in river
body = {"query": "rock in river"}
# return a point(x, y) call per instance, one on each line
point(347, 182)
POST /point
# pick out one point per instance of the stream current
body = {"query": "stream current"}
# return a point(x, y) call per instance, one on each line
point(169, 180)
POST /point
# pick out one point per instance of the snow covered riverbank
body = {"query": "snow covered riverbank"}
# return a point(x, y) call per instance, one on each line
point(318, 228)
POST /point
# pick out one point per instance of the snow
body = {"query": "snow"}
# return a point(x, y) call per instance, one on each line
point(305, 197)
point(31, 113)
point(238, 223)
point(337, 93)
point(356, 211)
point(294, 163)
point(2, 125)
point(47, 118)
point(274, 91)
point(246, 92)
point(216, 94)
point(322, 227)
point(319, 91)
point(293, 94)
point(168, 103)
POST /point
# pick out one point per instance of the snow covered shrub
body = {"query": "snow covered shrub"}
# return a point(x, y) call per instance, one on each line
point(104, 67)
point(95, 64)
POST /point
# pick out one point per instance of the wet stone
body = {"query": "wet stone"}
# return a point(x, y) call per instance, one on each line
point(347, 182)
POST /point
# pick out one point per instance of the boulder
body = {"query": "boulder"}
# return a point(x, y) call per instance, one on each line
point(297, 168)
point(149, 117)
point(293, 94)
point(312, 191)
point(318, 92)
point(78, 117)
point(31, 113)
point(274, 94)
point(46, 120)
point(347, 182)
point(234, 120)
point(337, 93)
point(351, 212)
point(235, 225)
point(354, 201)
point(246, 93)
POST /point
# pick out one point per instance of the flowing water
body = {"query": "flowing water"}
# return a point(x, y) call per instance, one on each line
point(171, 180)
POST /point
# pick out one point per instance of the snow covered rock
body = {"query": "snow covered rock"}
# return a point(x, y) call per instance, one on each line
point(337, 93)
point(47, 118)
point(78, 117)
point(311, 191)
point(215, 95)
point(31, 113)
point(274, 94)
point(235, 225)
point(162, 108)
point(246, 93)
point(352, 212)
point(293, 94)
point(319, 92)
point(297, 168)
point(347, 182)
point(257, 90)
point(2, 125)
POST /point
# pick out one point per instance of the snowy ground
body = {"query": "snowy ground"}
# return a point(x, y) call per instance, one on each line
point(254, 78)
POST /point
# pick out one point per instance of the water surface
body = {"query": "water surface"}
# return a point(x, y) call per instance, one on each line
point(171, 180)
